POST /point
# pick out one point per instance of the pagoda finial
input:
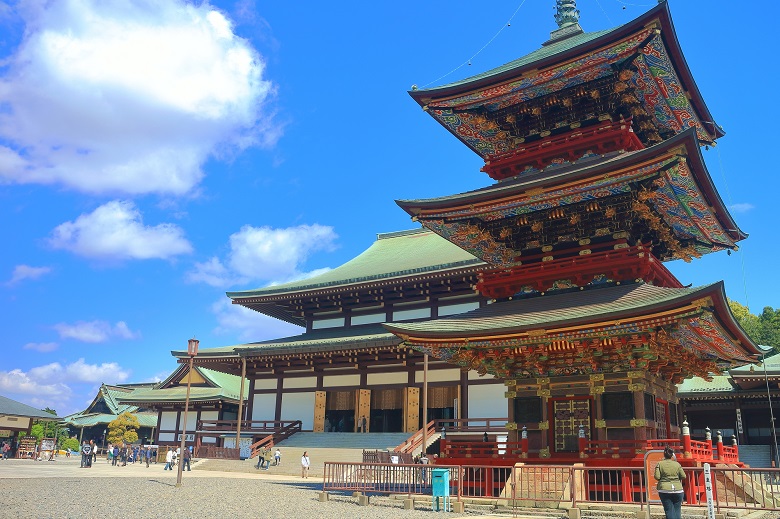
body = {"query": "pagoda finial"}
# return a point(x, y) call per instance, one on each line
point(567, 16)
point(566, 13)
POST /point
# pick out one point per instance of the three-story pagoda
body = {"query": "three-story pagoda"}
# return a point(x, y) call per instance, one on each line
point(594, 143)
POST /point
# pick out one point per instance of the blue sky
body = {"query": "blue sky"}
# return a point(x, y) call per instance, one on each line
point(155, 154)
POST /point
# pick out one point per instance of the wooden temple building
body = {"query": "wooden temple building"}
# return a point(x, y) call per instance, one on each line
point(594, 143)
point(543, 296)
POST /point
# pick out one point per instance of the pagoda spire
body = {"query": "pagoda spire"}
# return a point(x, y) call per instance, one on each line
point(566, 13)
point(567, 16)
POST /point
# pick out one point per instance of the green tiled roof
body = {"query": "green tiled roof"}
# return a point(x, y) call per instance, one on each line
point(549, 310)
point(537, 55)
point(226, 387)
point(10, 407)
point(369, 335)
point(772, 367)
point(398, 254)
point(719, 383)
point(90, 420)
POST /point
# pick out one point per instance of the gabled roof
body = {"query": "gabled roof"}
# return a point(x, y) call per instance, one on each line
point(220, 387)
point(93, 419)
point(13, 408)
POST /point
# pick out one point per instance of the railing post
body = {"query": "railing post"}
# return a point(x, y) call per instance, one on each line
point(719, 436)
point(524, 442)
point(686, 438)
point(708, 440)
point(736, 447)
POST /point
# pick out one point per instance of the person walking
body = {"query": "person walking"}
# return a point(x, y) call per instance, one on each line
point(148, 455)
point(186, 459)
point(94, 452)
point(670, 475)
point(278, 457)
point(169, 460)
point(305, 465)
point(6, 448)
point(115, 455)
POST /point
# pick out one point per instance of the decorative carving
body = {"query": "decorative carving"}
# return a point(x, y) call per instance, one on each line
point(636, 387)
point(511, 426)
point(543, 392)
point(597, 377)
point(510, 382)
point(636, 374)
point(639, 422)
point(543, 381)
point(544, 426)
point(597, 390)
point(600, 424)
point(510, 394)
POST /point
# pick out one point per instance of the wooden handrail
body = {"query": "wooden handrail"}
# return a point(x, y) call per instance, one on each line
point(415, 441)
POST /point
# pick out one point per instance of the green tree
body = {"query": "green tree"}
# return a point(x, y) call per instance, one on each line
point(124, 429)
point(70, 443)
point(764, 329)
point(48, 429)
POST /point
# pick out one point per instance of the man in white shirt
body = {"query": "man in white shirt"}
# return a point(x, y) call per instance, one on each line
point(305, 464)
point(169, 460)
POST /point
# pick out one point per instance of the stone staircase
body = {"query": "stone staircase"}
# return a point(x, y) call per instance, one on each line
point(321, 447)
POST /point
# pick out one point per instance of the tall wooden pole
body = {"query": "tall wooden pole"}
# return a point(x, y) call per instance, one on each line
point(192, 350)
point(425, 404)
point(240, 406)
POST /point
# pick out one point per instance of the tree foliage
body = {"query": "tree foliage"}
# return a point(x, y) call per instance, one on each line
point(124, 429)
point(70, 443)
point(43, 429)
point(763, 328)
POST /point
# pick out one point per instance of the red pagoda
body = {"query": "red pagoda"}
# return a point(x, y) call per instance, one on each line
point(594, 143)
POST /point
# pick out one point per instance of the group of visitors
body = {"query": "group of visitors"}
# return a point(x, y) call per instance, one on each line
point(264, 458)
point(174, 456)
point(88, 453)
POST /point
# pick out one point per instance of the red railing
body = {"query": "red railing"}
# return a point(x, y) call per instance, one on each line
point(471, 425)
point(415, 441)
point(561, 485)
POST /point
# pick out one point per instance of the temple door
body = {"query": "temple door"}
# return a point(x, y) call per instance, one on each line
point(363, 408)
point(567, 415)
point(661, 420)
point(319, 411)
point(412, 407)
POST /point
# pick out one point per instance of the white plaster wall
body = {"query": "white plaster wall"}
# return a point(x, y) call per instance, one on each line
point(420, 313)
point(264, 407)
point(18, 422)
point(209, 439)
point(300, 382)
point(488, 401)
point(209, 415)
point(265, 383)
point(299, 406)
point(387, 378)
point(340, 380)
point(192, 420)
point(438, 375)
point(457, 309)
point(368, 319)
point(167, 437)
point(327, 323)
point(168, 420)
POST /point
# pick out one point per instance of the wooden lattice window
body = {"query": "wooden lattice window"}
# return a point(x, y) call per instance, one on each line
point(568, 415)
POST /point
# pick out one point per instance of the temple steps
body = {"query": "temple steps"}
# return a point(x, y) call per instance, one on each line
point(369, 441)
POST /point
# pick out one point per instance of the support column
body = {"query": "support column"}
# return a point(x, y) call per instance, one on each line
point(412, 409)
point(363, 408)
point(319, 410)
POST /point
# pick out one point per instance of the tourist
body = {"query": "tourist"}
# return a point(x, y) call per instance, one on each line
point(148, 455)
point(86, 455)
point(115, 456)
point(277, 457)
point(6, 449)
point(670, 475)
point(109, 452)
point(135, 453)
point(261, 460)
point(169, 460)
point(186, 459)
point(363, 424)
point(123, 454)
point(305, 464)
point(94, 451)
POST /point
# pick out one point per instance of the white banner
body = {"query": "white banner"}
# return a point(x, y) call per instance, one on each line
point(708, 490)
point(190, 437)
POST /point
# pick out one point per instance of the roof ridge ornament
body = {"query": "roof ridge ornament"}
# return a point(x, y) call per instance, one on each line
point(567, 16)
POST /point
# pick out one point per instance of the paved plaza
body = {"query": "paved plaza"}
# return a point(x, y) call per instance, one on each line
point(61, 489)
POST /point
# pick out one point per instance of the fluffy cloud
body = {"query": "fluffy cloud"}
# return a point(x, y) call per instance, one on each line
point(248, 325)
point(95, 331)
point(79, 372)
point(22, 272)
point(263, 254)
point(128, 96)
point(17, 381)
point(115, 231)
point(43, 347)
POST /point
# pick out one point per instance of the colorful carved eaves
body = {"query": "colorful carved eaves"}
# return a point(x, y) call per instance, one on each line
point(662, 196)
point(636, 70)
point(672, 333)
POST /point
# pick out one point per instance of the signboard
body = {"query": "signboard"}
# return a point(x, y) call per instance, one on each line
point(652, 458)
point(190, 437)
point(708, 491)
point(26, 447)
point(739, 421)
point(47, 444)
point(5, 433)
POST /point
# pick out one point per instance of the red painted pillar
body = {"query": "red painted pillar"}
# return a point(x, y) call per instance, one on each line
point(524, 442)
point(708, 440)
point(720, 446)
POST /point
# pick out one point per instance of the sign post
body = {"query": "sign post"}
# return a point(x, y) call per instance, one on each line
point(708, 491)
point(652, 457)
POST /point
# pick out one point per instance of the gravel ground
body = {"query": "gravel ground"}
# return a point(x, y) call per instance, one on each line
point(202, 498)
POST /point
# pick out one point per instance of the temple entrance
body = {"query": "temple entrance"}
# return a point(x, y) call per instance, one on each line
point(661, 420)
point(567, 416)
point(340, 411)
point(387, 407)
point(441, 403)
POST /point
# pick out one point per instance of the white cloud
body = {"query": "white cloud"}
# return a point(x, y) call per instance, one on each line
point(95, 331)
point(264, 254)
point(128, 96)
point(22, 272)
point(43, 347)
point(248, 325)
point(115, 231)
point(741, 208)
point(17, 381)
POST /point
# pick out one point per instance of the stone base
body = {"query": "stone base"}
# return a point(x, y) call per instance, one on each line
point(458, 507)
point(323, 497)
point(362, 500)
point(408, 504)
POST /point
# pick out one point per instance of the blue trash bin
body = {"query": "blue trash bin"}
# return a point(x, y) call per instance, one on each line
point(440, 484)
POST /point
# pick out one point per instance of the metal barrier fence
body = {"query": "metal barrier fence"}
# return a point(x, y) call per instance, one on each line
point(556, 486)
